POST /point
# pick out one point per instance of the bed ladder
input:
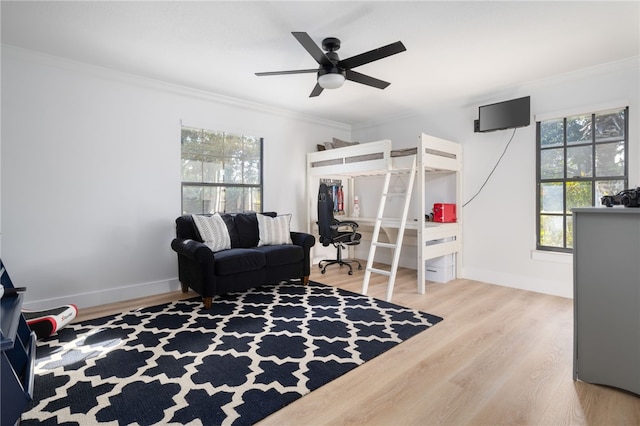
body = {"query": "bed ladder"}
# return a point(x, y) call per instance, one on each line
point(381, 221)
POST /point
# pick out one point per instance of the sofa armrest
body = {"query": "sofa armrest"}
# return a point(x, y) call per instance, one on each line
point(196, 267)
point(306, 241)
point(303, 239)
point(193, 249)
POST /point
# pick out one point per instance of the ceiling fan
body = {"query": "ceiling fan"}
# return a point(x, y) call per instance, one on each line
point(333, 71)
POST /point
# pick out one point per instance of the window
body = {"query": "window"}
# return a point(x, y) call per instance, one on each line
point(579, 159)
point(221, 172)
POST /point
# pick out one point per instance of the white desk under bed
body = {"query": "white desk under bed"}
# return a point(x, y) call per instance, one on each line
point(435, 155)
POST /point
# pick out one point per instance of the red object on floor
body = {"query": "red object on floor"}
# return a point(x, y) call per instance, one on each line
point(443, 212)
point(48, 322)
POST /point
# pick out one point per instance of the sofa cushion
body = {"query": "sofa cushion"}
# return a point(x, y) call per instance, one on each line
point(246, 225)
point(274, 230)
point(231, 226)
point(213, 230)
point(237, 260)
point(282, 254)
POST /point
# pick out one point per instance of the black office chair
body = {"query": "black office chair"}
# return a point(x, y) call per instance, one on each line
point(333, 231)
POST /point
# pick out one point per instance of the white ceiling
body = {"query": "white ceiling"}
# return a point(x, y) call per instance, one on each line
point(456, 50)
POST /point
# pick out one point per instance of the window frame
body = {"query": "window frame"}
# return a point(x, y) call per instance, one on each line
point(224, 185)
point(593, 144)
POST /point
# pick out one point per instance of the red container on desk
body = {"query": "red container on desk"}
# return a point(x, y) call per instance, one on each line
point(444, 212)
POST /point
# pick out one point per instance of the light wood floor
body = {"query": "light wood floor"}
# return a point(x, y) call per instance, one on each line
point(501, 356)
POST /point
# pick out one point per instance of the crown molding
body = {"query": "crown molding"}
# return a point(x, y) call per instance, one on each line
point(159, 85)
point(609, 68)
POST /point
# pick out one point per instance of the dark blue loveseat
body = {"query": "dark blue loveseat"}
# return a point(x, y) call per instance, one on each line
point(244, 265)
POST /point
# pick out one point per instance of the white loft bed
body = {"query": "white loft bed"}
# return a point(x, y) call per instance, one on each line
point(435, 155)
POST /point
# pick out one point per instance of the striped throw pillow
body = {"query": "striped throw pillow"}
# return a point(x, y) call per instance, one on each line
point(214, 231)
point(274, 230)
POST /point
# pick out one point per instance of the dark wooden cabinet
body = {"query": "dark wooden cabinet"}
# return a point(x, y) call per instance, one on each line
point(17, 356)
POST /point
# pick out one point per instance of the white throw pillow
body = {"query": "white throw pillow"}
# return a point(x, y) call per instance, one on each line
point(274, 230)
point(214, 231)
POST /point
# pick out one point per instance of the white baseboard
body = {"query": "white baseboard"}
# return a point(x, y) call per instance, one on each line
point(95, 298)
point(539, 285)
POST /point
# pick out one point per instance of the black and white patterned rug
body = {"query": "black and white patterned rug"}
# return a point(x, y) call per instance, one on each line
point(250, 355)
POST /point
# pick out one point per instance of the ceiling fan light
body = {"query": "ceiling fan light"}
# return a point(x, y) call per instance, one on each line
point(331, 81)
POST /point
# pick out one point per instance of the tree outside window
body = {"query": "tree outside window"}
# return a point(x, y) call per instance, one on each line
point(221, 172)
point(580, 159)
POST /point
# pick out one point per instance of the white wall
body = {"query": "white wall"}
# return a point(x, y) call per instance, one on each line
point(499, 225)
point(90, 174)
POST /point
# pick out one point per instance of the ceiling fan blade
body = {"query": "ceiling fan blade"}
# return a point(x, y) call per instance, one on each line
point(372, 55)
point(286, 72)
point(365, 79)
point(313, 49)
point(316, 91)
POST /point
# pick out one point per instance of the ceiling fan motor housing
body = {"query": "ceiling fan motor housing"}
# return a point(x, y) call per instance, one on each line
point(331, 44)
point(331, 70)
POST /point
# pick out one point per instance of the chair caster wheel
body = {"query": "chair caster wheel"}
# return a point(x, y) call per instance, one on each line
point(360, 268)
point(350, 272)
point(323, 272)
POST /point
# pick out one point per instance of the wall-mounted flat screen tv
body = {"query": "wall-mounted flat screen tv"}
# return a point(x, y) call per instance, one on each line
point(504, 115)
